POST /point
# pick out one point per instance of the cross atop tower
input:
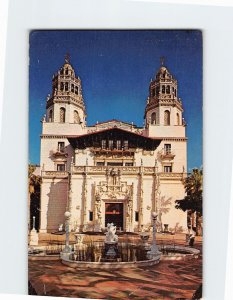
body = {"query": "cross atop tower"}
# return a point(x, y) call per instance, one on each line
point(67, 58)
point(162, 59)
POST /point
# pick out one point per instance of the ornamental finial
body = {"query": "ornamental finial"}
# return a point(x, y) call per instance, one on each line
point(67, 58)
point(162, 59)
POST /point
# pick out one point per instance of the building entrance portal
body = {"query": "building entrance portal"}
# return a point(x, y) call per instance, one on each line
point(114, 214)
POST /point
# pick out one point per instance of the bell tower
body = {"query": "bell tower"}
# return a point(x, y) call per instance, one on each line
point(163, 113)
point(66, 104)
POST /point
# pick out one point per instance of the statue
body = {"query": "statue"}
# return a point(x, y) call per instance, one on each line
point(97, 197)
point(60, 228)
point(113, 173)
point(111, 236)
point(111, 240)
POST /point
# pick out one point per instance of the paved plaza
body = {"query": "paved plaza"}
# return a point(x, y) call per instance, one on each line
point(167, 280)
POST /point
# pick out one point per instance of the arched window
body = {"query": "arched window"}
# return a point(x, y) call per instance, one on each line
point(67, 71)
point(72, 88)
point(167, 117)
point(163, 89)
point(51, 115)
point(153, 118)
point(62, 86)
point(66, 86)
point(76, 90)
point(76, 117)
point(168, 89)
point(177, 119)
point(62, 115)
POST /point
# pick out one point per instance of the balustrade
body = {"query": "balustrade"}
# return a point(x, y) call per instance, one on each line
point(55, 174)
point(123, 171)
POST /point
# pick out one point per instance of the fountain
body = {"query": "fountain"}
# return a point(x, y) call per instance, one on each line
point(110, 254)
point(113, 253)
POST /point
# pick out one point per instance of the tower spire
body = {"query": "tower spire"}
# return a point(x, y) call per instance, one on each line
point(162, 59)
point(67, 58)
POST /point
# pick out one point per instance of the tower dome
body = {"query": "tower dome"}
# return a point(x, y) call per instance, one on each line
point(67, 68)
point(163, 105)
point(162, 69)
point(163, 73)
point(66, 104)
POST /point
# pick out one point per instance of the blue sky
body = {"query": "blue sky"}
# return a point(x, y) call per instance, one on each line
point(115, 68)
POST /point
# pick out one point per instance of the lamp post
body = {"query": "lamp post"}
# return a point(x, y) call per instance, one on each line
point(67, 248)
point(34, 222)
point(154, 248)
point(34, 237)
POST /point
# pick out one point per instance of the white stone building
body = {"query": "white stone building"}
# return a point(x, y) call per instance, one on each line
point(113, 171)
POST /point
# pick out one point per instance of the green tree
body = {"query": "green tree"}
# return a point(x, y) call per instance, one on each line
point(192, 202)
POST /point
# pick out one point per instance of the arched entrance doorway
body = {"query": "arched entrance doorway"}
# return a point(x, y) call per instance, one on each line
point(114, 213)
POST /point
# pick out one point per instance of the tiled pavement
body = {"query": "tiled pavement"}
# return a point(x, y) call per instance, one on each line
point(167, 280)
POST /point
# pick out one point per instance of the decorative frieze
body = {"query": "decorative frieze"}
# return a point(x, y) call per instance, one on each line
point(51, 136)
point(174, 139)
point(54, 174)
point(127, 171)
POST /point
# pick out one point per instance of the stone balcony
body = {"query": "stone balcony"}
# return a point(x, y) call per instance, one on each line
point(113, 152)
point(102, 170)
point(60, 152)
point(167, 155)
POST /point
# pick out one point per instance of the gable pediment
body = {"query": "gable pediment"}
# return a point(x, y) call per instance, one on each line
point(94, 139)
point(114, 124)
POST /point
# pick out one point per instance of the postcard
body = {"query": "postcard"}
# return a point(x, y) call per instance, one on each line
point(115, 170)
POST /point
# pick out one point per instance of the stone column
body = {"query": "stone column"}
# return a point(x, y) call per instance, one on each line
point(84, 198)
point(131, 210)
point(69, 200)
point(155, 188)
point(140, 190)
point(97, 214)
point(129, 215)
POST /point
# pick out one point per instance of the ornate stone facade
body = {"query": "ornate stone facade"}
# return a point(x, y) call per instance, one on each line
point(112, 171)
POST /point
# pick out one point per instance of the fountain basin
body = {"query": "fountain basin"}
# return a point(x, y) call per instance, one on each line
point(110, 265)
point(97, 256)
point(168, 253)
point(174, 252)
